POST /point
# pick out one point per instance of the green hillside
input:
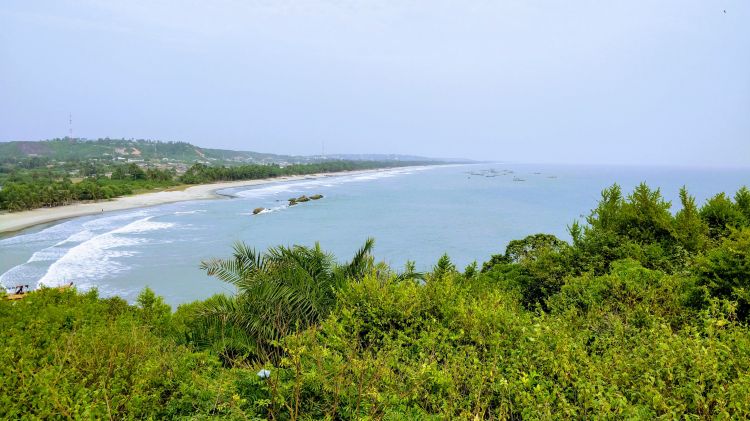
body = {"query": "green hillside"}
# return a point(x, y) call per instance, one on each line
point(75, 149)
point(135, 149)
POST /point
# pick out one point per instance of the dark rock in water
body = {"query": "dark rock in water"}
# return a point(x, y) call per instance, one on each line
point(302, 199)
point(258, 210)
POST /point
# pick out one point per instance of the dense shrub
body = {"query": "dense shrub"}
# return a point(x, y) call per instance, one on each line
point(614, 346)
point(725, 270)
point(67, 355)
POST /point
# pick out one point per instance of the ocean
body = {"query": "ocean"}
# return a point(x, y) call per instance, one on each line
point(418, 213)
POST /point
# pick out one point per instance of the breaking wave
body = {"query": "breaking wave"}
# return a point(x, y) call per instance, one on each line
point(97, 257)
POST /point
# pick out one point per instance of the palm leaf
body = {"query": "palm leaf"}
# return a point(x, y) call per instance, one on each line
point(358, 265)
point(278, 292)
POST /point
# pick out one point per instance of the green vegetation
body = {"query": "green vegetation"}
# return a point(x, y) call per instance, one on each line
point(200, 173)
point(37, 191)
point(146, 150)
point(103, 149)
point(61, 171)
point(643, 315)
point(278, 293)
point(78, 356)
point(32, 189)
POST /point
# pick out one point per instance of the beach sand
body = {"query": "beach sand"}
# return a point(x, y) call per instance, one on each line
point(15, 221)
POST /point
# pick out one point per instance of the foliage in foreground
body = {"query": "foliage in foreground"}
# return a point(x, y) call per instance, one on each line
point(70, 355)
point(645, 315)
point(278, 292)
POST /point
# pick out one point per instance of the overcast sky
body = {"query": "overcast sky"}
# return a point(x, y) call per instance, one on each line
point(634, 82)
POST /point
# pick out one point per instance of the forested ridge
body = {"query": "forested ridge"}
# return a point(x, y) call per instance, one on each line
point(643, 314)
point(69, 149)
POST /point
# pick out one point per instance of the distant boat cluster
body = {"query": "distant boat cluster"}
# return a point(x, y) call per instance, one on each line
point(491, 173)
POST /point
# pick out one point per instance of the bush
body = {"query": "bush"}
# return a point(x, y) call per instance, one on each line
point(643, 316)
point(79, 356)
point(399, 350)
point(725, 270)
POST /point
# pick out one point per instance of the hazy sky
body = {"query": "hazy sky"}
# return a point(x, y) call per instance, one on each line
point(539, 81)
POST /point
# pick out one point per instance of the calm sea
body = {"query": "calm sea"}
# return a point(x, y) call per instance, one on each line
point(413, 213)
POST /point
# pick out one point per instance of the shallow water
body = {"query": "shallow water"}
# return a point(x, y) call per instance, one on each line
point(413, 213)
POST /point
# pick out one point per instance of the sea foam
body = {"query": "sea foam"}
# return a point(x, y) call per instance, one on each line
point(98, 256)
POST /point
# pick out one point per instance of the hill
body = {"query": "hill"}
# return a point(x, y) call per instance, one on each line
point(142, 149)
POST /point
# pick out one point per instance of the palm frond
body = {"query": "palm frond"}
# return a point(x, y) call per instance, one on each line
point(244, 263)
point(278, 292)
point(358, 265)
point(410, 276)
point(248, 257)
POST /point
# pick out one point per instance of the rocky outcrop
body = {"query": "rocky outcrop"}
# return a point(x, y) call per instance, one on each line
point(302, 199)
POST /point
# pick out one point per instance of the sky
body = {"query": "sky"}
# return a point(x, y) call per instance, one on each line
point(558, 81)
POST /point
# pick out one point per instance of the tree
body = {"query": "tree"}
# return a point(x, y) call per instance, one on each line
point(529, 248)
point(640, 227)
point(690, 230)
point(136, 173)
point(721, 214)
point(443, 267)
point(532, 246)
point(742, 200)
point(534, 266)
point(278, 292)
point(646, 217)
point(725, 271)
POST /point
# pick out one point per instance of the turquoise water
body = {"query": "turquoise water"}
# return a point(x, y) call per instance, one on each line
point(414, 214)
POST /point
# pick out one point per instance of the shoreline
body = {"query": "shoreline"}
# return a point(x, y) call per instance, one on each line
point(16, 221)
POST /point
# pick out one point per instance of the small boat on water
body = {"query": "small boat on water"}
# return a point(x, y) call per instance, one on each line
point(518, 179)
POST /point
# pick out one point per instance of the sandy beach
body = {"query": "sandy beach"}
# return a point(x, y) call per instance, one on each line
point(15, 221)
